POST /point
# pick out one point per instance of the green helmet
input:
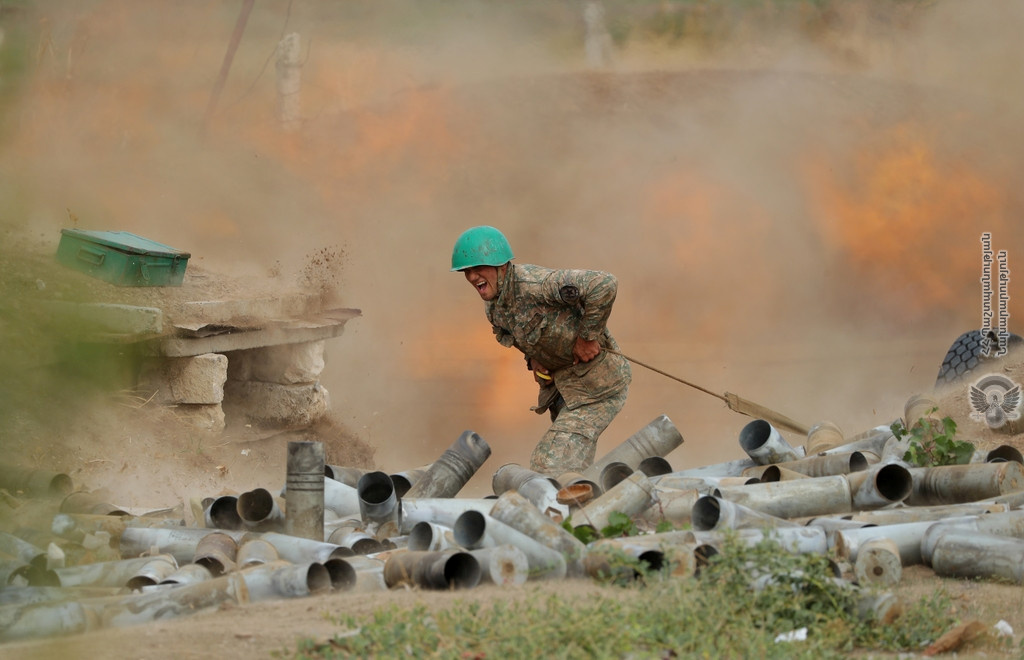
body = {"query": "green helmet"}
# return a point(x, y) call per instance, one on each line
point(481, 246)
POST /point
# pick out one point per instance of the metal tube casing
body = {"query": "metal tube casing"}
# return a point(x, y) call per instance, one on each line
point(110, 573)
point(871, 442)
point(831, 525)
point(356, 540)
point(880, 485)
point(86, 502)
point(75, 526)
point(28, 595)
point(953, 484)
point(630, 496)
point(671, 505)
point(283, 579)
point(217, 552)
point(603, 560)
point(342, 573)
point(1004, 453)
point(254, 552)
point(152, 573)
point(475, 530)
point(19, 548)
point(448, 569)
point(49, 619)
point(450, 472)
point(732, 468)
point(973, 555)
point(427, 536)
point(181, 600)
point(824, 465)
point(405, 479)
point(822, 436)
point(613, 473)
point(188, 574)
point(304, 490)
point(223, 513)
point(764, 444)
point(503, 565)
point(800, 540)
point(514, 510)
point(925, 513)
point(440, 510)
point(653, 466)
point(657, 438)
point(35, 483)
point(769, 473)
point(712, 513)
point(800, 498)
point(349, 476)
point(340, 499)
point(369, 573)
point(539, 489)
point(906, 536)
point(300, 550)
point(378, 503)
point(1008, 524)
point(259, 511)
point(45, 619)
point(180, 542)
point(576, 490)
point(673, 551)
point(511, 476)
point(878, 563)
point(706, 485)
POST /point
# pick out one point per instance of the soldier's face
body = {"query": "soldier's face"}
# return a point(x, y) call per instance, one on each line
point(485, 280)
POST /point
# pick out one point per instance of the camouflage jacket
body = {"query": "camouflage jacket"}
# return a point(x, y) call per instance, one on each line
point(541, 311)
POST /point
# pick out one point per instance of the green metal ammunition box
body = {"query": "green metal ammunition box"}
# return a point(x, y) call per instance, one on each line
point(122, 258)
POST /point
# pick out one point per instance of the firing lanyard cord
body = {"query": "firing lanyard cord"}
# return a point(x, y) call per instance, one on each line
point(668, 375)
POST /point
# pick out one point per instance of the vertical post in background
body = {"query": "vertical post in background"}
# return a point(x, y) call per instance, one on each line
point(289, 82)
point(304, 490)
point(225, 66)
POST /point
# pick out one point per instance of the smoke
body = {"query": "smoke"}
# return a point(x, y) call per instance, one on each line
point(791, 200)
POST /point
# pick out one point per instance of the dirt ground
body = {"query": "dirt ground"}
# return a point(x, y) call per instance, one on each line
point(792, 211)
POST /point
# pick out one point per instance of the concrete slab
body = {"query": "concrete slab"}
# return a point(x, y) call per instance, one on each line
point(268, 332)
point(203, 312)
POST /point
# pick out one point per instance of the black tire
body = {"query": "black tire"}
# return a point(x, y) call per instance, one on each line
point(965, 355)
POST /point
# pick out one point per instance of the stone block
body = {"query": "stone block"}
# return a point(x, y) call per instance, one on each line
point(272, 405)
point(189, 380)
point(285, 364)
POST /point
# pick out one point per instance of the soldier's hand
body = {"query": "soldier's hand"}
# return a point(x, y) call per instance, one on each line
point(541, 373)
point(585, 351)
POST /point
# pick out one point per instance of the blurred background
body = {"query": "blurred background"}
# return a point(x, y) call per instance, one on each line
point(790, 193)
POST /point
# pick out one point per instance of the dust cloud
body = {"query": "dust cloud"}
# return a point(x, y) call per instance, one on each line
point(791, 199)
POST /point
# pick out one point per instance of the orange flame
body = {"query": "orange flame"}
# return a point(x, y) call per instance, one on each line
point(907, 218)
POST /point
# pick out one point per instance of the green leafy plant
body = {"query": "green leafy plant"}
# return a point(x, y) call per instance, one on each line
point(932, 442)
point(664, 526)
point(583, 533)
point(619, 524)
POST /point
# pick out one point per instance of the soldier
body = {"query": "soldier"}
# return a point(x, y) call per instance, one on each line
point(556, 318)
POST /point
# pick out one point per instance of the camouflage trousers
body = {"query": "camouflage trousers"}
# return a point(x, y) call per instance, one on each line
point(570, 443)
